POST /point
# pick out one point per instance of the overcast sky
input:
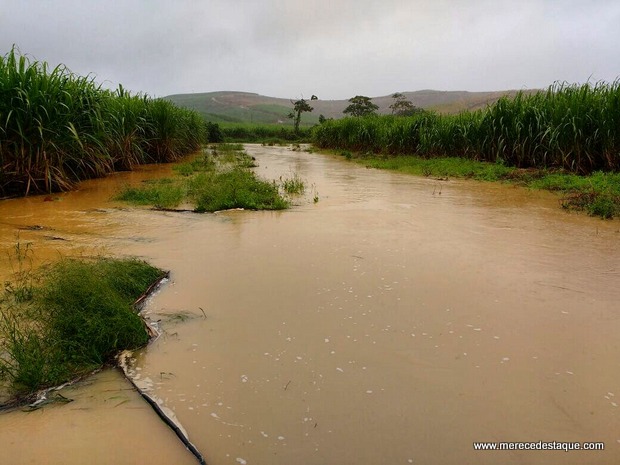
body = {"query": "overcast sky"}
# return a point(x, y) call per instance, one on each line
point(332, 48)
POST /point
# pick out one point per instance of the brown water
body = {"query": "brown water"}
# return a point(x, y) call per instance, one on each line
point(398, 320)
point(106, 423)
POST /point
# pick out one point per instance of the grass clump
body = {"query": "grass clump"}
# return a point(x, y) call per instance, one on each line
point(237, 188)
point(293, 185)
point(78, 315)
point(219, 179)
point(598, 194)
point(161, 193)
point(232, 156)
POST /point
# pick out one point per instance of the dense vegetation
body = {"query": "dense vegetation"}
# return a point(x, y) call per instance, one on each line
point(69, 318)
point(275, 134)
point(57, 128)
point(218, 179)
point(575, 128)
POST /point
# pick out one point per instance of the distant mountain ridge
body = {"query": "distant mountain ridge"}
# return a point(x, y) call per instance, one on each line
point(247, 107)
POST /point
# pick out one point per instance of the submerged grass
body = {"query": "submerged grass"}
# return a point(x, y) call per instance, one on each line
point(78, 315)
point(598, 193)
point(218, 179)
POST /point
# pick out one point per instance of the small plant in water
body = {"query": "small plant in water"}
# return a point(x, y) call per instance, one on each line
point(293, 185)
point(315, 194)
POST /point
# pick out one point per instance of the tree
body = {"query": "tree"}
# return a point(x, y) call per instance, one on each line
point(214, 133)
point(361, 106)
point(403, 107)
point(299, 106)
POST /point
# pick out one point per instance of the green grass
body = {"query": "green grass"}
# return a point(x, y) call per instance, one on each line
point(293, 185)
point(161, 193)
point(219, 179)
point(78, 315)
point(598, 193)
point(440, 167)
point(237, 188)
point(273, 133)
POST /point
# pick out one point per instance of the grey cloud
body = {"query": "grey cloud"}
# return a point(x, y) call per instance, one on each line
point(334, 49)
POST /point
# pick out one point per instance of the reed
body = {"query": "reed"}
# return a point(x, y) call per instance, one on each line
point(58, 128)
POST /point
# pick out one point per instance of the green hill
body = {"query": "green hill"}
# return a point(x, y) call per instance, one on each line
point(246, 107)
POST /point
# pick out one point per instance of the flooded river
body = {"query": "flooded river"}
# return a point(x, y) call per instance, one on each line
point(398, 320)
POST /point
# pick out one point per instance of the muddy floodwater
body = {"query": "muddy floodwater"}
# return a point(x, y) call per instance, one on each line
point(396, 321)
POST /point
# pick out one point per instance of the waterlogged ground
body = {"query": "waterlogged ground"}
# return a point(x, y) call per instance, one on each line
point(397, 320)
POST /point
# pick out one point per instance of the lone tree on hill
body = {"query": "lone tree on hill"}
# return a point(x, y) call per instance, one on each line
point(299, 106)
point(361, 106)
point(403, 107)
